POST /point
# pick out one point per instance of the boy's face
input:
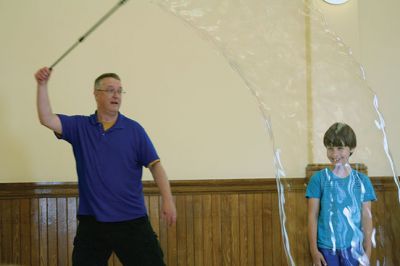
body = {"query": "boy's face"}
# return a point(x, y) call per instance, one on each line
point(338, 155)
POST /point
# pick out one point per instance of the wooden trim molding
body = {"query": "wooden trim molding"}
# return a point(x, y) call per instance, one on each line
point(70, 189)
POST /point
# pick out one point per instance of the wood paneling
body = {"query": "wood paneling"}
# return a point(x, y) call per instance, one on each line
point(220, 222)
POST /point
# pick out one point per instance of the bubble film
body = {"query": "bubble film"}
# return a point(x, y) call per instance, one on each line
point(304, 79)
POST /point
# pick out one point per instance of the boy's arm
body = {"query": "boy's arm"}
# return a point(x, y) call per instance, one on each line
point(46, 115)
point(168, 206)
point(367, 227)
point(313, 212)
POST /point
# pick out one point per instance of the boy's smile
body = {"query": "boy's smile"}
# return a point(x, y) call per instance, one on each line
point(338, 155)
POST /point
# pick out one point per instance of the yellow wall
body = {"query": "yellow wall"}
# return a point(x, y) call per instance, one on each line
point(370, 29)
point(198, 112)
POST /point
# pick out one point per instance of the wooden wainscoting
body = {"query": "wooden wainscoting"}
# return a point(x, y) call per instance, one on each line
point(220, 222)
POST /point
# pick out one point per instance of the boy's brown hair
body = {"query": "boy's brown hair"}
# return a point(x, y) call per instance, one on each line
point(340, 135)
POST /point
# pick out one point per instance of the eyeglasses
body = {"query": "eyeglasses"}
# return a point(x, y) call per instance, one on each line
point(112, 91)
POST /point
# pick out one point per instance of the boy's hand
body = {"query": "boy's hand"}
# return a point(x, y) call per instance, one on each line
point(318, 259)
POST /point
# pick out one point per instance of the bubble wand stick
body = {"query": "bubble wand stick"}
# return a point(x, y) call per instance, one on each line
point(81, 39)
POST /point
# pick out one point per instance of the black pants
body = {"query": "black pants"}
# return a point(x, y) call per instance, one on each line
point(134, 242)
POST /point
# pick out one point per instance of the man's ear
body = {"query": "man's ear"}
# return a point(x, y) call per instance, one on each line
point(351, 151)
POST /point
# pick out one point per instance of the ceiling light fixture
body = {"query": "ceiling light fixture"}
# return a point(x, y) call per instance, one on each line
point(336, 2)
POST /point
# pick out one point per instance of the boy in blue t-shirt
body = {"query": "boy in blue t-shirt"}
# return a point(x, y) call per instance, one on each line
point(339, 205)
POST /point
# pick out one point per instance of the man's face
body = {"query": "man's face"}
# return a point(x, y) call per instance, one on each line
point(108, 95)
point(338, 155)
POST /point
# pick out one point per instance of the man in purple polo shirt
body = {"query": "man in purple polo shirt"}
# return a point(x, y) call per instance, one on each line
point(110, 151)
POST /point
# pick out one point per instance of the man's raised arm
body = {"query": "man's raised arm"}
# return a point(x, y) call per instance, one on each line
point(46, 116)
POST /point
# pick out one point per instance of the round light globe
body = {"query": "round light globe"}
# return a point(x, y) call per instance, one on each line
point(336, 2)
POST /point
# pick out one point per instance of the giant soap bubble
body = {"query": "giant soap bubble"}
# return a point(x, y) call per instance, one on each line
point(304, 79)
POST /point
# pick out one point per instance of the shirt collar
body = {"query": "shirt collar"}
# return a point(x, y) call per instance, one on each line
point(118, 124)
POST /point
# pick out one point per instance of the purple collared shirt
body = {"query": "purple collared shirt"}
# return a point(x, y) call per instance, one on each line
point(109, 166)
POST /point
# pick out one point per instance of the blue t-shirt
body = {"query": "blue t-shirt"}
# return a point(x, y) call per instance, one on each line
point(340, 215)
point(109, 166)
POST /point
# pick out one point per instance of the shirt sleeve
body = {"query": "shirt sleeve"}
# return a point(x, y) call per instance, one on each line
point(314, 186)
point(69, 128)
point(369, 190)
point(147, 152)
